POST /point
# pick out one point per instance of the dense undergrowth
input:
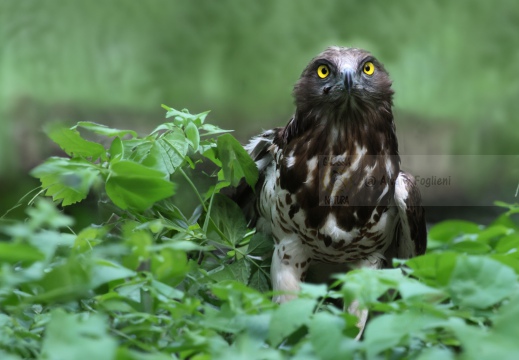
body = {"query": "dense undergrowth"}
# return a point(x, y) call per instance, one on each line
point(153, 282)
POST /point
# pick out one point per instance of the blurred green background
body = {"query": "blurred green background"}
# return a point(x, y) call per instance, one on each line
point(455, 66)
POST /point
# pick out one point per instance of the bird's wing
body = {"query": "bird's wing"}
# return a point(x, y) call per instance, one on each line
point(411, 236)
point(259, 148)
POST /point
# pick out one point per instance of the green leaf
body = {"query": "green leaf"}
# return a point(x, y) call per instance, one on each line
point(479, 343)
point(167, 291)
point(45, 214)
point(116, 150)
point(103, 129)
point(508, 260)
point(81, 336)
point(387, 331)
point(435, 353)
point(448, 230)
point(470, 247)
point(88, 238)
point(135, 186)
point(184, 116)
point(413, 289)
point(136, 149)
point(139, 241)
point(367, 285)
point(192, 135)
point(67, 281)
point(104, 271)
point(169, 265)
point(313, 290)
point(288, 317)
point(505, 321)
point(492, 232)
point(68, 181)
point(434, 268)
point(328, 341)
point(238, 271)
point(508, 244)
point(260, 245)
point(14, 252)
point(228, 217)
point(236, 162)
point(481, 282)
point(73, 144)
point(167, 153)
point(212, 130)
point(259, 281)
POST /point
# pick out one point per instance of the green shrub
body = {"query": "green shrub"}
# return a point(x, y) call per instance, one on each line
point(154, 282)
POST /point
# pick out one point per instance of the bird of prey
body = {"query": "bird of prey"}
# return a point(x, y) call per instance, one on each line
point(330, 186)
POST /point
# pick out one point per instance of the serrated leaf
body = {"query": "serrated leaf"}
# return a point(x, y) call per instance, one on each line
point(65, 282)
point(367, 285)
point(68, 181)
point(238, 271)
point(435, 268)
point(73, 144)
point(167, 153)
point(45, 214)
point(236, 162)
point(288, 318)
point(386, 332)
point(104, 130)
point(260, 244)
point(88, 238)
point(228, 217)
point(505, 321)
point(480, 343)
point(328, 341)
point(184, 116)
point(136, 149)
point(132, 185)
point(480, 282)
point(259, 281)
point(78, 337)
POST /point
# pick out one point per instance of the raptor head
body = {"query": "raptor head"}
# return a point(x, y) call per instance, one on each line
point(343, 78)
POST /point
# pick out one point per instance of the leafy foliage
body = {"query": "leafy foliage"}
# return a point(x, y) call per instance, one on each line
point(152, 282)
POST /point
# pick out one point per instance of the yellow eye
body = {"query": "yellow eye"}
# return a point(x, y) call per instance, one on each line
point(323, 71)
point(369, 68)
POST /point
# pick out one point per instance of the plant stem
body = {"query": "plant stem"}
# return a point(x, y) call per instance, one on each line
point(193, 187)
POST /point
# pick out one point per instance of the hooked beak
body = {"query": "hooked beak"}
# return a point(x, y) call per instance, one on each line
point(348, 75)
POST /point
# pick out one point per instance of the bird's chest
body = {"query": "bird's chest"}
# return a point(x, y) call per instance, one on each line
point(336, 206)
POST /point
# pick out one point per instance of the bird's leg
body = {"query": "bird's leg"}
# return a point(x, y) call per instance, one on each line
point(289, 264)
point(375, 261)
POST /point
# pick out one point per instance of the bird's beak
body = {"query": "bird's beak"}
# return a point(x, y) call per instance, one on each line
point(348, 79)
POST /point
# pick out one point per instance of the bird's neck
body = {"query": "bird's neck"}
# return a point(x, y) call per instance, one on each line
point(345, 130)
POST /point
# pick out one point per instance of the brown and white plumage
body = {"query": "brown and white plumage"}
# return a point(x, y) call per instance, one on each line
point(330, 186)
